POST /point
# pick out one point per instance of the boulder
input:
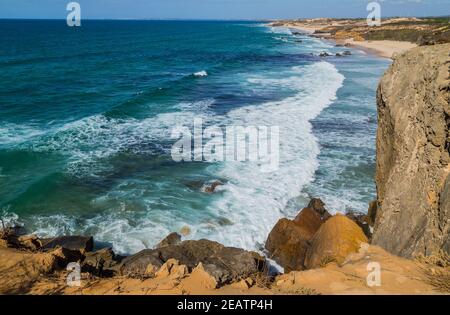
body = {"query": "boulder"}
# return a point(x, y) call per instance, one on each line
point(211, 188)
point(100, 262)
point(334, 241)
point(81, 243)
point(288, 241)
point(225, 264)
point(362, 220)
point(171, 239)
point(318, 206)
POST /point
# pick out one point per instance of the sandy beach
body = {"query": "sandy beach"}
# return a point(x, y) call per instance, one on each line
point(382, 48)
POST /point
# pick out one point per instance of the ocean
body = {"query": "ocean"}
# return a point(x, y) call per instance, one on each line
point(86, 116)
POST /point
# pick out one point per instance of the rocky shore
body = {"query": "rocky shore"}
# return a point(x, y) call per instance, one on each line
point(320, 253)
point(393, 36)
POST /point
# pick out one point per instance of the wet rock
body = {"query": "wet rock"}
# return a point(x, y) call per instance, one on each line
point(81, 243)
point(289, 240)
point(211, 188)
point(171, 239)
point(339, 55)
point(324, 54)
point(334, 241)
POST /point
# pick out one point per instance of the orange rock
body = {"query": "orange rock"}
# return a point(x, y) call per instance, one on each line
point(334, 241)
point(289, 240)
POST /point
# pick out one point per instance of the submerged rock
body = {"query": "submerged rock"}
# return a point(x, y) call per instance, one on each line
point(210, 188)
point(324, 54)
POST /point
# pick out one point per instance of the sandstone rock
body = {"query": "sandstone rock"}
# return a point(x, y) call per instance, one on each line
point(199, 279)
point(171, 239)
point(225, 264)
point(288, 241)
point(362, 220)
point(172, 269)
point(81, 243)
point(413, 153)
point(334, 241)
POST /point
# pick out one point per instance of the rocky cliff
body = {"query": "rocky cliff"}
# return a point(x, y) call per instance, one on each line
point(413, 144)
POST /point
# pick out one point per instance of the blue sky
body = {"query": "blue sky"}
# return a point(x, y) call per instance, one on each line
point(218, 9)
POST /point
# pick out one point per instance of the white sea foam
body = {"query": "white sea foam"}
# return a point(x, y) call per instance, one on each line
point(202, 73)
point(11, 134)
point(253, 200)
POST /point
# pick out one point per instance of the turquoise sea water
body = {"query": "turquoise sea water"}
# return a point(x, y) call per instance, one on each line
point(86, 116)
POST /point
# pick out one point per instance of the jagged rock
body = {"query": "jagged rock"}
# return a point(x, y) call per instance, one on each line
point(14, 237)
point(199, 278)
point(372, 212)
point(172, 269)
point(324, 54)
point(100, 262)
point(225, 264)
point(65, 256)
point(212, 187)
point(362, 220)
point(413, 153)
point(334, 241)
point(81, 243)
point(171, 239)
point(318, 206)
point(288, 241)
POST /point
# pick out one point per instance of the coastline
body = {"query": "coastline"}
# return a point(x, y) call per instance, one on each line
point(381, 48)
point(309, 247)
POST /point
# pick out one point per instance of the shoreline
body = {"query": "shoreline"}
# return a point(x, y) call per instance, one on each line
point(382, 48)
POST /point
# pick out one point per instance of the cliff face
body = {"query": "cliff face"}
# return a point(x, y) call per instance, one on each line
point(413, 153)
